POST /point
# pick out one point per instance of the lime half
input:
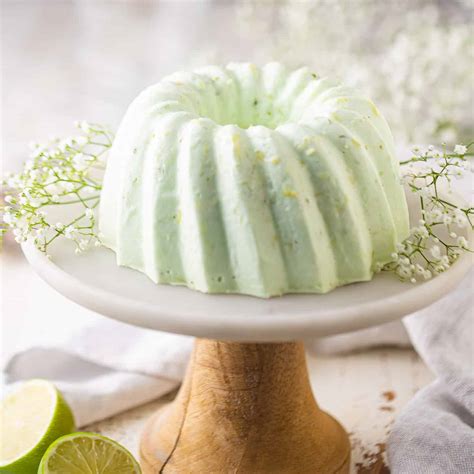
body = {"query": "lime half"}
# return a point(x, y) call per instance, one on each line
point(87, 453)
point(31, 418)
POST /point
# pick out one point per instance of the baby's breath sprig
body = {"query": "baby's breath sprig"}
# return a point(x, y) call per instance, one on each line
point(69, 173)
point(434, 244)
point(62, 172)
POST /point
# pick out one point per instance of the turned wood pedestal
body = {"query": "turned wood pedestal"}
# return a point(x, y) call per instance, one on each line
point(245, 408)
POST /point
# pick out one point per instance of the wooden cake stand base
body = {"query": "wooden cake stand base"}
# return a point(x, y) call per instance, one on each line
point(245, 408)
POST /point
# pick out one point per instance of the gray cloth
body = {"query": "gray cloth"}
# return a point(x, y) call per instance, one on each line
point(434, 433)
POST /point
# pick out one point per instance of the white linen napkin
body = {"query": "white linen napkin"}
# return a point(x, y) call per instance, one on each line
point(105, 367)
point(434, 433)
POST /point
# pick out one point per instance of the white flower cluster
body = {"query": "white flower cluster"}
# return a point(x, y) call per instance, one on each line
point(65, 172)
point(413, 58)
point(435, 243)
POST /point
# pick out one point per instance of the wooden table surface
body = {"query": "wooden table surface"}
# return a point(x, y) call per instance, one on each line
point(62, 62)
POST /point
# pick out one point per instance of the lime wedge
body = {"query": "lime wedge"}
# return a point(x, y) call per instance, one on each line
point(87, 453)
point(31, 418)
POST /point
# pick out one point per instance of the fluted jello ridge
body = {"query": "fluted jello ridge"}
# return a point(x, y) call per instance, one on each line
point(261, 181)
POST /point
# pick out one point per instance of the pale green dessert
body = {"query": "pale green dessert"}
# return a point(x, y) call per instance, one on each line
point(260, 181)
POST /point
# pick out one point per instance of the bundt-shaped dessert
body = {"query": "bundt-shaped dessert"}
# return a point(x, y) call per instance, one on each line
point(261, 181)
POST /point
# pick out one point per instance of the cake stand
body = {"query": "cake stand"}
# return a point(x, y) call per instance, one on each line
point(246, 404)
